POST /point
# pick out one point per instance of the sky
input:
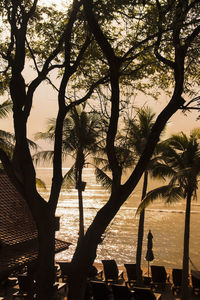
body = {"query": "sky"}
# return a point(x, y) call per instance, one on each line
point(45, 106)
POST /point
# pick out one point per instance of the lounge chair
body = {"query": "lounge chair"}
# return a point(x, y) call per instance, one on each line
point(131, 274)
point(60, 288)
point(143, 294)
point(26, 285)
point(176, 279)
point(100, 291)
point(65, 269)
point(111, 272)
point(159, 277)
point(94, 274)
point(121, 292)
point(195, 282)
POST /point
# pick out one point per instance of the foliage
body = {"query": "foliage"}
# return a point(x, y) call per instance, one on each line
point(81, 130)
point(180, 163)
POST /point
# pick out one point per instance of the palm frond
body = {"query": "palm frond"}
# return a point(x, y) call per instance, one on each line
point(40, 183)
point(32, 145)
point(5, 108)
point(43, 156)
point(195, 133)
point(44, 136)
point(7, 136)
point(103, 178)
point(155, 194)
point(161, 171)
point(69, 179)
point(175, 194)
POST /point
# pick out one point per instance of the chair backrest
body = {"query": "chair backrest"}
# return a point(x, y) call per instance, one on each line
point(158, 274)
point(131, 271)
point(100, 290)
point(143, 294)
point(25, 283)
point(177, 276)
point(110, 269)
point(121, 292)
point(65, 268)
point(195, 279)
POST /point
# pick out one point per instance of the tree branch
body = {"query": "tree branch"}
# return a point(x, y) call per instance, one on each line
point(161, 58)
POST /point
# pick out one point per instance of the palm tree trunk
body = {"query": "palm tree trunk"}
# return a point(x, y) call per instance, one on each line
point(80, 160)
point(141, 231)
point(185, 265)
point(81, 213)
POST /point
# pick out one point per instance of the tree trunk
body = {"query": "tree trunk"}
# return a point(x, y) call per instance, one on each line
point(45, 276)
point(80, 160)
point(185, 265)
point(141, 231)
point(81, 214)
point(85, 252)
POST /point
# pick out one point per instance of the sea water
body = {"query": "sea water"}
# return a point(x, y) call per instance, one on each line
point(166, 223)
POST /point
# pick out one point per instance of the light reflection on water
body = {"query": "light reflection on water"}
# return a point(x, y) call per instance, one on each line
point(165, 222)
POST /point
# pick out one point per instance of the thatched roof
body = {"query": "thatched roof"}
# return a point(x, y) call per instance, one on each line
point(18, 233)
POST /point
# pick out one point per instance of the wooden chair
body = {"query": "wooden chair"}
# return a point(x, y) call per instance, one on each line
point(195, 276)
point(65, 269)
point(111, 272)
point(131, 274)
point(61, 288)
point(122, 292)
point(144, 294)
point(176, 279)
point(26, 284)
point(94, 274)
point(100, 291)
point(159, 277)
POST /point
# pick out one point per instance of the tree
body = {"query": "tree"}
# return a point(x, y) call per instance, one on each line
point(81, 135)
point(138, 130)
point(180, 163)
point(7, 139)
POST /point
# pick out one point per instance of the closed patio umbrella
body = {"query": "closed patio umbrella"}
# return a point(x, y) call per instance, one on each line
point(149, 255)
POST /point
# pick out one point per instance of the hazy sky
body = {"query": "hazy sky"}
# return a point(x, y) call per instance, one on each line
point(45, 106)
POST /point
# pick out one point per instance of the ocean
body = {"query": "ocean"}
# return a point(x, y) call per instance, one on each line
point(166, 223)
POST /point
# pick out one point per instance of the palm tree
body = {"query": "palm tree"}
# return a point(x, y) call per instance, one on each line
point(7, 139)
point(81, 135)
point(181, 165)
point(129, 147)
point(138, 130)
